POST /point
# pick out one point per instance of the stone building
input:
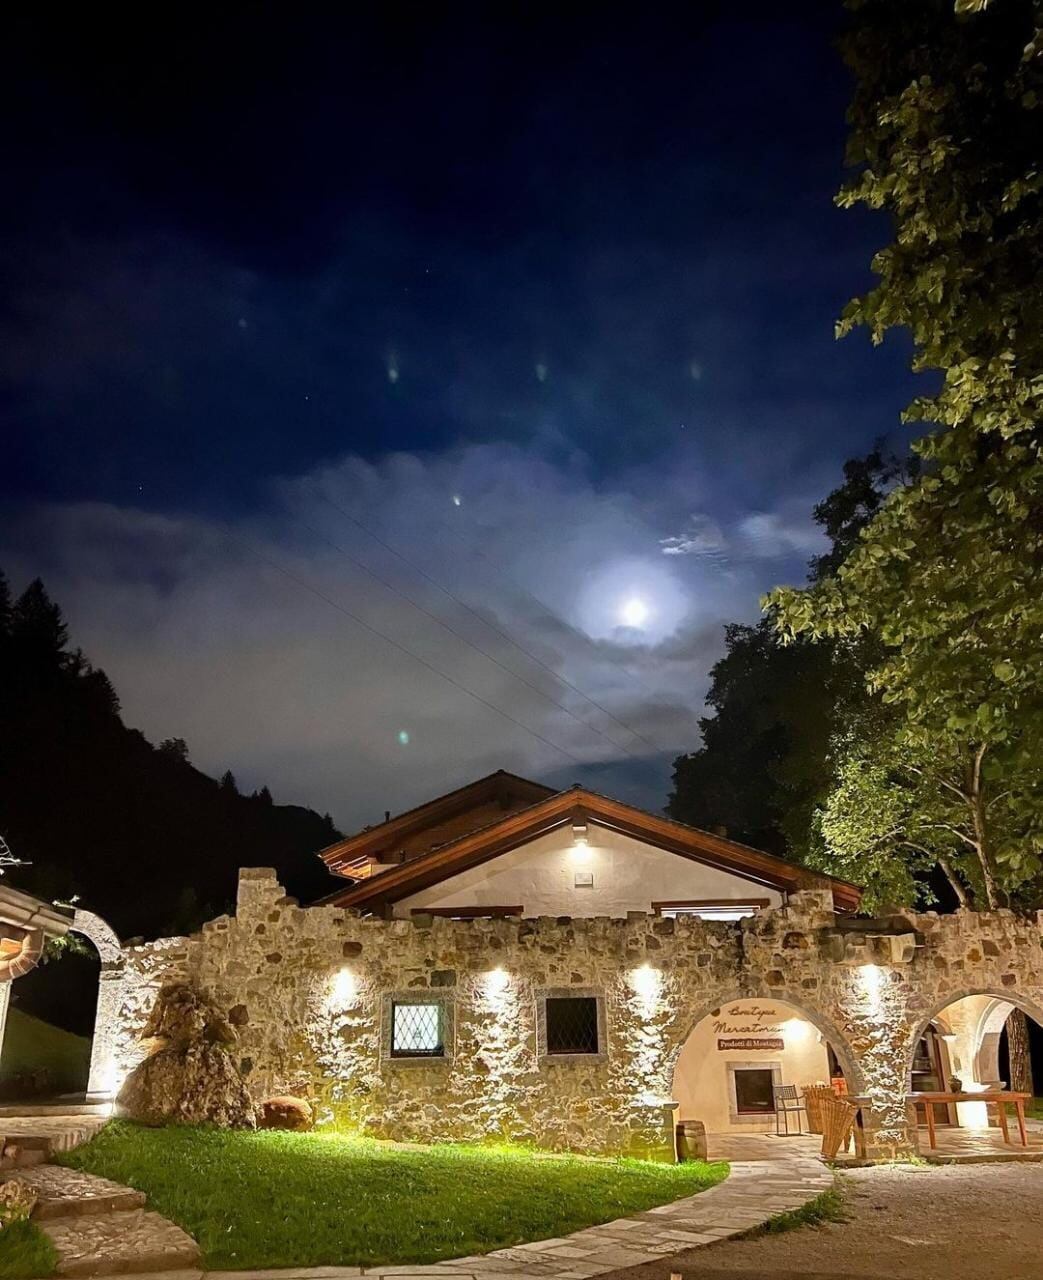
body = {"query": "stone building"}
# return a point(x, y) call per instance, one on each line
point(562, 969)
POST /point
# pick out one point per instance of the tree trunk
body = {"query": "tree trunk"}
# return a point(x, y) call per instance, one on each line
point(1019, 1052)
point(958, 887)
point(980, 825)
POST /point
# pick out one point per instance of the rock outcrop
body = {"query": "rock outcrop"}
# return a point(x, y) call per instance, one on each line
point(190, 1076)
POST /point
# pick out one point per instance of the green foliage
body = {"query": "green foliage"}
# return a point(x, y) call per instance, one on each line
point(948, 576)
point(828, 1206)
point(25, 1251)
point(271, 1199)
point(766, 763)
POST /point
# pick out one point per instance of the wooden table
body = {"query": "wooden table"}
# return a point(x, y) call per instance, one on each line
point(928, 1101)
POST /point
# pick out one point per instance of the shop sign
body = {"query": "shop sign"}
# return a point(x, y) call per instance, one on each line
point(750, 1042)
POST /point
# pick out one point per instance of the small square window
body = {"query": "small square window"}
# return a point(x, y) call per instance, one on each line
point(753, 1091)
point(416, 1030)
point(572, 1024)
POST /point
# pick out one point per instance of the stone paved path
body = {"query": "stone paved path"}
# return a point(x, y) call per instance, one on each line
point(781, 1176)
point(101, 1228)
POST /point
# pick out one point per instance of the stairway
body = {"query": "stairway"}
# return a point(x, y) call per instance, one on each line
point(98, 1227)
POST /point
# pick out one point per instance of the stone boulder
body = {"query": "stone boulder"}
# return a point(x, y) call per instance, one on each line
point(286, 1113)
point(190, 1076)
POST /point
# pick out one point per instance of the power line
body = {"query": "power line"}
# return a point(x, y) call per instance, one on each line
point(504, 635)
point(459, 635)
point(551, 613)
point(307, 586)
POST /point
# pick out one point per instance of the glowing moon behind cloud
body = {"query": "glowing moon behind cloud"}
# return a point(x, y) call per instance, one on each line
point(632, 600)
point(634, 612)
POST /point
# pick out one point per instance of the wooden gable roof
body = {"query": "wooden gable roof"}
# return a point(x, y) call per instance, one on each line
point(557, 809)
point(435, 823)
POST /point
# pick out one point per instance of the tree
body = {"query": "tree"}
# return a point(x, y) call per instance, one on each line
point(175, 748)
point(947, 577)
point(228, 783)
point(37, 623)
point(766, 761)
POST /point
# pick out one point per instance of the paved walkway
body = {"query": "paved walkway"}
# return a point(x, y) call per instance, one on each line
point(779, 1177)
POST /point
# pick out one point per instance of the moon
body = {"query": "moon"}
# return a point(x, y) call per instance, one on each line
point(634, 612)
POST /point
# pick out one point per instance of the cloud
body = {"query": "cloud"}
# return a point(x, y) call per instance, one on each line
point(702, 536)
point(294, 645)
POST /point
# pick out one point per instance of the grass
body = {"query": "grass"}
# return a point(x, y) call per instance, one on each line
point(828, 1206)
point(25, 1251)
point(33, 1048)
point(271, 1199)
point(1034, 1108)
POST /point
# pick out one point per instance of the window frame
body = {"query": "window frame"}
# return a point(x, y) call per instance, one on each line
point(544, 1054)
point(389, 1056)
point(695, 906)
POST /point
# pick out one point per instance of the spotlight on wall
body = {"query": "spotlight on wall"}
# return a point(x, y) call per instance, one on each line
point(579, 833)
point(646, 984)
point(343, 989)
point(497, 981)
point(871, 977)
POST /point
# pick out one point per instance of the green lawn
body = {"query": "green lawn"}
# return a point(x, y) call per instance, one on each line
point(1035, 1108)
point(37, 1055)
point(25, 1251)
point(284, 1199)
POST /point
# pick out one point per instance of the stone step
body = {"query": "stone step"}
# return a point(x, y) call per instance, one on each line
point(54, 1109)
point(16, 1157)
point(122, 1242)
point(49, 1133)
point(66, 1193)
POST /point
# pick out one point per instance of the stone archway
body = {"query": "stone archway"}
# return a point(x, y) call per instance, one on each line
point(981, 1024)
point(101, 1080)
point(736, 1052)
point(822, 1023)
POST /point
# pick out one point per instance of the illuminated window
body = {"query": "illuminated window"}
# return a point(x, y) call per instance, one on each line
point(417, 1030)
point(711, 908)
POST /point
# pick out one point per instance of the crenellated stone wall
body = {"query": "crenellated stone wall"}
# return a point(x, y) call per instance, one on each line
point(308, 991)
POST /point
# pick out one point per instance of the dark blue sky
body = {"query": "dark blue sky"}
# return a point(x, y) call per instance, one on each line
point(583, 265)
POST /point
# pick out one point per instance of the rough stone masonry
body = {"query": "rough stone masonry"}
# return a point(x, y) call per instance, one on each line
point(309, 990)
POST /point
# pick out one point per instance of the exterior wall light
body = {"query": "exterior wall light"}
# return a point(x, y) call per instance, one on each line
point(497, 981)
point(343, 990)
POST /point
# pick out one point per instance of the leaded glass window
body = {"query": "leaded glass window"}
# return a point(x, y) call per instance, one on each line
point(416, 1030)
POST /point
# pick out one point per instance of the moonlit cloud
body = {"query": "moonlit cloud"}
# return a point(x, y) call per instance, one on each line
point(237, 636)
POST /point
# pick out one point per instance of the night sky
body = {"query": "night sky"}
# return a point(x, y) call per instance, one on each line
point(393, 398)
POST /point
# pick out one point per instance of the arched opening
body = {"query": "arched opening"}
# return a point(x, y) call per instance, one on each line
point(958, 1074)
point(46, 1052)
point(58, 1011)
point(749, 1070)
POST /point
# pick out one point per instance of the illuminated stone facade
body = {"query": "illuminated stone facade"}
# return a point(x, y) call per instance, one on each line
point(308, 991)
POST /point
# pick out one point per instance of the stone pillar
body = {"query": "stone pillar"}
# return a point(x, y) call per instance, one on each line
point(5, 1000)
point(101, 1082)
point(878, 1028)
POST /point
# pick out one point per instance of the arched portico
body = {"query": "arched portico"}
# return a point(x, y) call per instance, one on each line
point(739, 1048)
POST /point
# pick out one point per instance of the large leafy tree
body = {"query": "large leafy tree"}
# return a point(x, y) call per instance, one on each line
point(766, 763)
point(947, 578)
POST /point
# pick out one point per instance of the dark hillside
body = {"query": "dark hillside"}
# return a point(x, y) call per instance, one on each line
point(140, 834)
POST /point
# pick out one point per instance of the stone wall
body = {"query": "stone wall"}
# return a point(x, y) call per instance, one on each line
point(308, 990)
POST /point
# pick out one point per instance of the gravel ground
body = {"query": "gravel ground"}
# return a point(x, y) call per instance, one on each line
point(951, 1222)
